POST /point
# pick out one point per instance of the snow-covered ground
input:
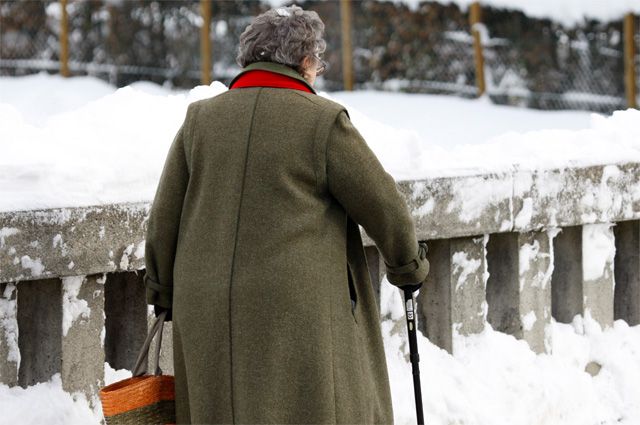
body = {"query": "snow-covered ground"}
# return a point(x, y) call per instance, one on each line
point(494, 379)
point(79, 141)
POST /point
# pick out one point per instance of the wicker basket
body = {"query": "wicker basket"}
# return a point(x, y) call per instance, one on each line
point(143, 398)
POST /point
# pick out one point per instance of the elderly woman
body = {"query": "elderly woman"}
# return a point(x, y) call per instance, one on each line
point(253, 245)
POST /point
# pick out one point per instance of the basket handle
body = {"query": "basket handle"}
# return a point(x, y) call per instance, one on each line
point(141, 367)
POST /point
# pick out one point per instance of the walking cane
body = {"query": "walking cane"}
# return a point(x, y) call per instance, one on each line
point(413, 352)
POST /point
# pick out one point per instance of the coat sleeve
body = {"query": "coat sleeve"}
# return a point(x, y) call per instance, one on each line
point(164, 222)
point(358, 181)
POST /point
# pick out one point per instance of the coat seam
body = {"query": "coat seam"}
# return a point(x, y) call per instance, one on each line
point(333, 361)
point(235, 246)
point(315, 155)
point(326, 144)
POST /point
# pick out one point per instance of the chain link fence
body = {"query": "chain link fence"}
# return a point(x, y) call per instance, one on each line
point(428, 49)
point(122, 41)
point(553, 68)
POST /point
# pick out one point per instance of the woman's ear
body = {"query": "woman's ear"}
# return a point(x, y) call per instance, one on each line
point(306, 63)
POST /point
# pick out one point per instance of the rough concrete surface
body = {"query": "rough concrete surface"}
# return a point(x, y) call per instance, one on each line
point(82, 352)
point(9, 353)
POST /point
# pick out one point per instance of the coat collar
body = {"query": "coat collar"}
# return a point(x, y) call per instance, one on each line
point(274, 67)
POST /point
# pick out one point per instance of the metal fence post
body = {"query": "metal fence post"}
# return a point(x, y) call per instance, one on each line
point(64, 40)
point(474, 21)
point(347, 54)
point(205, 42)
point(629, 62)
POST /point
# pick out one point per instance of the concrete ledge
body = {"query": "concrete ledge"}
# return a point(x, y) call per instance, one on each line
point(73, 241)
point(62, 242)
point(574, 196)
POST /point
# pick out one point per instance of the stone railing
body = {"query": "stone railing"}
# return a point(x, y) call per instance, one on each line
point(510, 249)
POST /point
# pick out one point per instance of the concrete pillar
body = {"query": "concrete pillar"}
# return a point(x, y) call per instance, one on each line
point(9, 351)
point(40, 330)
point(61, 329)
point(126, 318)
point(535, 267)
point(452, 301)
point(583, 277)
point(519, 286)
point(82, 353)
point(627, 272)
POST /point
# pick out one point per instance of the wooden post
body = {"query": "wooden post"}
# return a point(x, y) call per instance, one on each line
point(205, 42)
point(629, 63)
point(475, 18)
point(64, 40)
point(347, 54)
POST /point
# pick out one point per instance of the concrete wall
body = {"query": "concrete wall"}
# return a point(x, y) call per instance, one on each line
point(510, 250)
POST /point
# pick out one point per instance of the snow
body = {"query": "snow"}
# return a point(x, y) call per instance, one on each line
point(567, 12)
point(9, 323)
point(54, 405)
point(528, 320)
point(33, 264)
point(49, 150)
point(496, 379)
point(599, 248)
point(465, 266)
point(46, 403)
point(72, 307)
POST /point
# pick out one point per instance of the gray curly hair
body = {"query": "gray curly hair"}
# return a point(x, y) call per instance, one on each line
point(283, 35)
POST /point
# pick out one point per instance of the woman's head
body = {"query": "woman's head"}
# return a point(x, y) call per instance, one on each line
point(286, 35)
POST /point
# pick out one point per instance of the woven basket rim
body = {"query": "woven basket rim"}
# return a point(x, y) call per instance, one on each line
point(131, 382)
point(125, 395)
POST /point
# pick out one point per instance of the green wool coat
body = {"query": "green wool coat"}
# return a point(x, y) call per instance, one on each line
point(253, 241)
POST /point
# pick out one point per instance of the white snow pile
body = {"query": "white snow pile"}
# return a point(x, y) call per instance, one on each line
point(88, 143)
point(493, 379)
point(48, 403)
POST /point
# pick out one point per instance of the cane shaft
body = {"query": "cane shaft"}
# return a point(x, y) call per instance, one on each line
point(413, 354)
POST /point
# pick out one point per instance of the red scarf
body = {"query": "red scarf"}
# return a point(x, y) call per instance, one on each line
point(262, 78)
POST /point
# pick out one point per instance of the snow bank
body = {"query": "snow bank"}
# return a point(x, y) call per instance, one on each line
point(45, 403)
point(496, 379)
point(48, 403)
point(100, 146)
